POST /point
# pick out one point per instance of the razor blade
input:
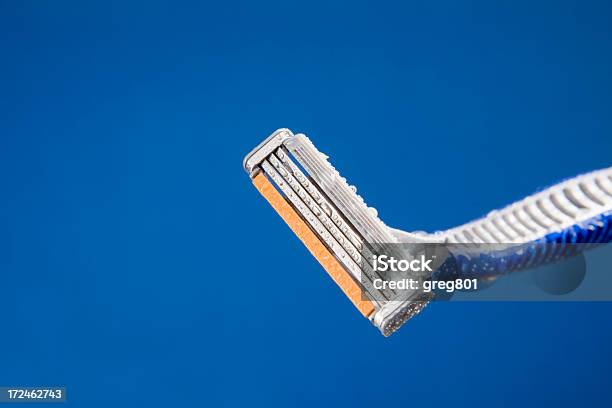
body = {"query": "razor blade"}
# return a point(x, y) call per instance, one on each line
point(334, 223)
point(346, 236)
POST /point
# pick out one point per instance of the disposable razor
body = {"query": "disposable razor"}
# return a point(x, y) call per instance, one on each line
point(342, 232)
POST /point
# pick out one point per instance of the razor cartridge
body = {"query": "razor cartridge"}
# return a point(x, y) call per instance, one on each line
point(334, 223)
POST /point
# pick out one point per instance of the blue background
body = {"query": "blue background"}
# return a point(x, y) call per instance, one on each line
point(139, 266)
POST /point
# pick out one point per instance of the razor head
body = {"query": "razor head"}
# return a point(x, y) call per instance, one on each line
point(334, 223)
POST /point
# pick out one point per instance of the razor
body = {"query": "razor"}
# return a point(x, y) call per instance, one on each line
point(342, 232)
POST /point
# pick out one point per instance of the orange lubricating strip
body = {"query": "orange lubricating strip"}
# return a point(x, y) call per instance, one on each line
point(314, 244)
